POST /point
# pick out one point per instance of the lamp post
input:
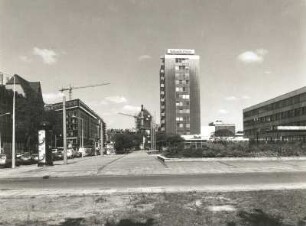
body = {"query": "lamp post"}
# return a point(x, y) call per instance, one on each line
point(7, 113)
point(13, 135)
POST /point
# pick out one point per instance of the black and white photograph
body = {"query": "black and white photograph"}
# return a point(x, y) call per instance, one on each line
point(153, 112)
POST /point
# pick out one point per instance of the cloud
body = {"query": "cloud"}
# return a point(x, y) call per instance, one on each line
point(51, 97)
point(98, 103)
point(223, 111)
point(48, 55)
point(256, 56)
point(268, 72)
point(25, 59)
point(116, 99)
point(130, 109)
point(231, 98)
point(245, 97)
point(144, 57)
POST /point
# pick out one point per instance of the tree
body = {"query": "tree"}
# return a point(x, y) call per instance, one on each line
point(125, 142)
point(166, 140)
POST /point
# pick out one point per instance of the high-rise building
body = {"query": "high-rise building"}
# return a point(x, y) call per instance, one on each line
point(180, 92)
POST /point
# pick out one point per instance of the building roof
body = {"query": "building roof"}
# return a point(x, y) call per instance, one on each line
point(276, 99)
point(31, 89)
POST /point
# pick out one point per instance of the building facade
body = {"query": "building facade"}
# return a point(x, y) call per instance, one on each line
point(29, 113)
point(282, 118)
point(180, 92)
point(223, 129)
point(84, 127)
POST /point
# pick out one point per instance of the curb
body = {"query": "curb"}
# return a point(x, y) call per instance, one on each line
point(165, 159)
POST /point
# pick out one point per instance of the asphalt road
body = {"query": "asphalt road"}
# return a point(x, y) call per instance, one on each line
point(107, 182)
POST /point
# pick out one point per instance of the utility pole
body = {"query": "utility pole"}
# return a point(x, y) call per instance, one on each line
point(64, 129)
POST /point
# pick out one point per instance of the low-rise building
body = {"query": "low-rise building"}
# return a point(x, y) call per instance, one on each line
point(282, 118)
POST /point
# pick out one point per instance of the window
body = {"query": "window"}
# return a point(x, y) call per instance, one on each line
point(188, 125)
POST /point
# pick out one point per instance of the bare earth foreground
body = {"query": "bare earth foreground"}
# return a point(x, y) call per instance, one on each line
point(191, 208)
point(137, 189)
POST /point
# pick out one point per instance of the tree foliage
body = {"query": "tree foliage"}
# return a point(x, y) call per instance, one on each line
point(166, 140)
point(125, 142)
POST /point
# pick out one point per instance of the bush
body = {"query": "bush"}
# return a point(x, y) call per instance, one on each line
point(230, 149)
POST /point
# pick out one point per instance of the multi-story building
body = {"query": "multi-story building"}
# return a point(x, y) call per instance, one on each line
point(84, 127)
point(282, 118)
point(180, 92)
point(29, 113)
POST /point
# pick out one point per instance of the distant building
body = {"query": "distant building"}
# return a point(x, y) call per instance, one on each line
point(223, 129)
point(180, 92)
point(83, 124)
point(29, 113)
point(282, 118)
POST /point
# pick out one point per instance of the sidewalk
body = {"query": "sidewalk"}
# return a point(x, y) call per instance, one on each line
point(139, 163)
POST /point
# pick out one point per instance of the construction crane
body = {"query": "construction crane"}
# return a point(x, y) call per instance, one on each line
point(70, 88)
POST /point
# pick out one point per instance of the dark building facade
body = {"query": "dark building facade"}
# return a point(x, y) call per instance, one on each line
point(180, 92)
point(282, 118)
point(29, 113)
point(83, 125)
point(223, 129)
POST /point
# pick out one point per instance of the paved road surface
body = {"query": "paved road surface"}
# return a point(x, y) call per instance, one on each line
point(141, 172)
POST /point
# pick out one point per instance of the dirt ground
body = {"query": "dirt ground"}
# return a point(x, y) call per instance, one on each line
point(262, 208)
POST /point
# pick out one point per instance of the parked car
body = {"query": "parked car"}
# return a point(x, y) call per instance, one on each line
point(70, 153)
point(34, 158)
point(26, 159)
point(58, 155)
point(6, 160)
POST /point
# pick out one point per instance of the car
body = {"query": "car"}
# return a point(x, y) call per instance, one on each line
point(70, 153)
point(58, 155)
point(34, 158)
point(26, 159)
point(6, 160)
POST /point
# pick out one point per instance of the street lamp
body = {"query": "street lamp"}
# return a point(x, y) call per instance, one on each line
point(14, 115)
point(7, 113)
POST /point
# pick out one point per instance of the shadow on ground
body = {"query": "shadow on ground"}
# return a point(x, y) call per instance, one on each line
point(257, 217)
point(128, 222)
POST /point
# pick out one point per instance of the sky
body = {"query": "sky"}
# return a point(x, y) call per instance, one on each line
point(250, 51)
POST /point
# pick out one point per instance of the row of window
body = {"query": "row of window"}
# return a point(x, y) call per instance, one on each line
point(183, 82)
point(183, 111)
point(182, 103)
point(183, 125)
point(181, 89)
point(278, 116)
point(279, 104)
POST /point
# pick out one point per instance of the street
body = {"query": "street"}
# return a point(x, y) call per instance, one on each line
point(140, 171)
point(139, 189)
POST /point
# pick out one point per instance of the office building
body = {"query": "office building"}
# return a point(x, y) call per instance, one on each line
point(180, 92)
point(84, 127)
point(282, 118)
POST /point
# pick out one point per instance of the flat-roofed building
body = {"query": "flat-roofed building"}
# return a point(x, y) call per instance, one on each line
point(282, 118)
point(83, 125)
point(180, 92)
